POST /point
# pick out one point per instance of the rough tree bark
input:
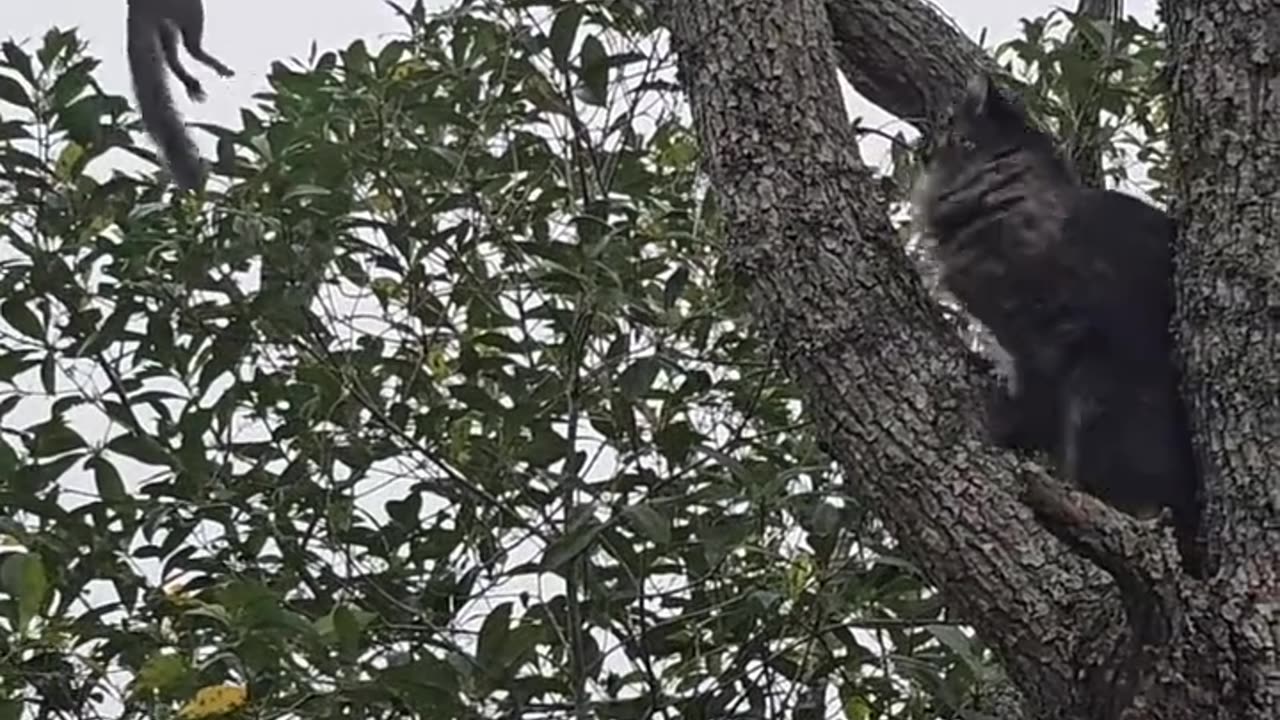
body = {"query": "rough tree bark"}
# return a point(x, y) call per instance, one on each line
point(1087, 610)
point(1226, 138)
point(902, 56)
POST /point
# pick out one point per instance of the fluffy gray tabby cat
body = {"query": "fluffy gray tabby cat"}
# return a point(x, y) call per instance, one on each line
point(1076, 285)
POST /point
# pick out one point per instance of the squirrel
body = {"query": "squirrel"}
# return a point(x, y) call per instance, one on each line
point(153, 27)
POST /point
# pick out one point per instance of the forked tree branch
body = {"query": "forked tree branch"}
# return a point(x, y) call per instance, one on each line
point(904, 56)
point(831, 286)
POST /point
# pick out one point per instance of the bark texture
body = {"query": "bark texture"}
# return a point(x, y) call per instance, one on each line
point(1226, 137)
point(1085, 607)
point(903, 56)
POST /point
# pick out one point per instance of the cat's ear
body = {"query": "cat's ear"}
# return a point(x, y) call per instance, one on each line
point(978, 91)
point(977, 96)
point(986, 101)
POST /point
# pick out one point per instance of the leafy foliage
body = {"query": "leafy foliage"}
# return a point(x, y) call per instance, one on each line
point(1097, 83)
point(437, 403)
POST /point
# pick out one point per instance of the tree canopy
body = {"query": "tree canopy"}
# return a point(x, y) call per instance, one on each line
point(447, 398)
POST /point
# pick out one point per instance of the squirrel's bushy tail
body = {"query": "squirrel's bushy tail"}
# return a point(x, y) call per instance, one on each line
point(155, 102)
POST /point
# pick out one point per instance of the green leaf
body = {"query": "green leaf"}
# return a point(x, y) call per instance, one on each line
point(163, 672)
point(826, 518)
point(142, 448)
point(108, 481)
point(676, 440)
point(18, 60)
point(49, 374)
point(649, 522)
point(12, 363)
point(738, 470)
point(595, 72)
point(13, 93)
point(429, 674)
point(55, 438)
point(406, 512)
point(564, 29)
point(476, 398)
point(10, 709)
point(226, 353)
point(855, 706)
point(959, 643)
point(19, 315)
point(675, 286)
point(347, 629)
point(217, 613)
point(493, 638)
point(111, 331)
point(569, 546)
point(636, 380)
point(22, 575)
point(545, 447)
point(8, 460)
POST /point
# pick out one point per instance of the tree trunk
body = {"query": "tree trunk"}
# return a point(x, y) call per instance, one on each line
point(1226, 141)
point(1086, 608)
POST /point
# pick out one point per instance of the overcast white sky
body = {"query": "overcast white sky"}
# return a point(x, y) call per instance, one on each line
point(249, 34)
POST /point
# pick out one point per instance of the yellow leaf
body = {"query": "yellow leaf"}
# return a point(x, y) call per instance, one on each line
point(214, 700)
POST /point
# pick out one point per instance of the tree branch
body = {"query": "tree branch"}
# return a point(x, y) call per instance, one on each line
point(887, 381)
point(904, 56)
point(1118, 543)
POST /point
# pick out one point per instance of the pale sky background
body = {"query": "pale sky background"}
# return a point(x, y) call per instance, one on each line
point(249, 34)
